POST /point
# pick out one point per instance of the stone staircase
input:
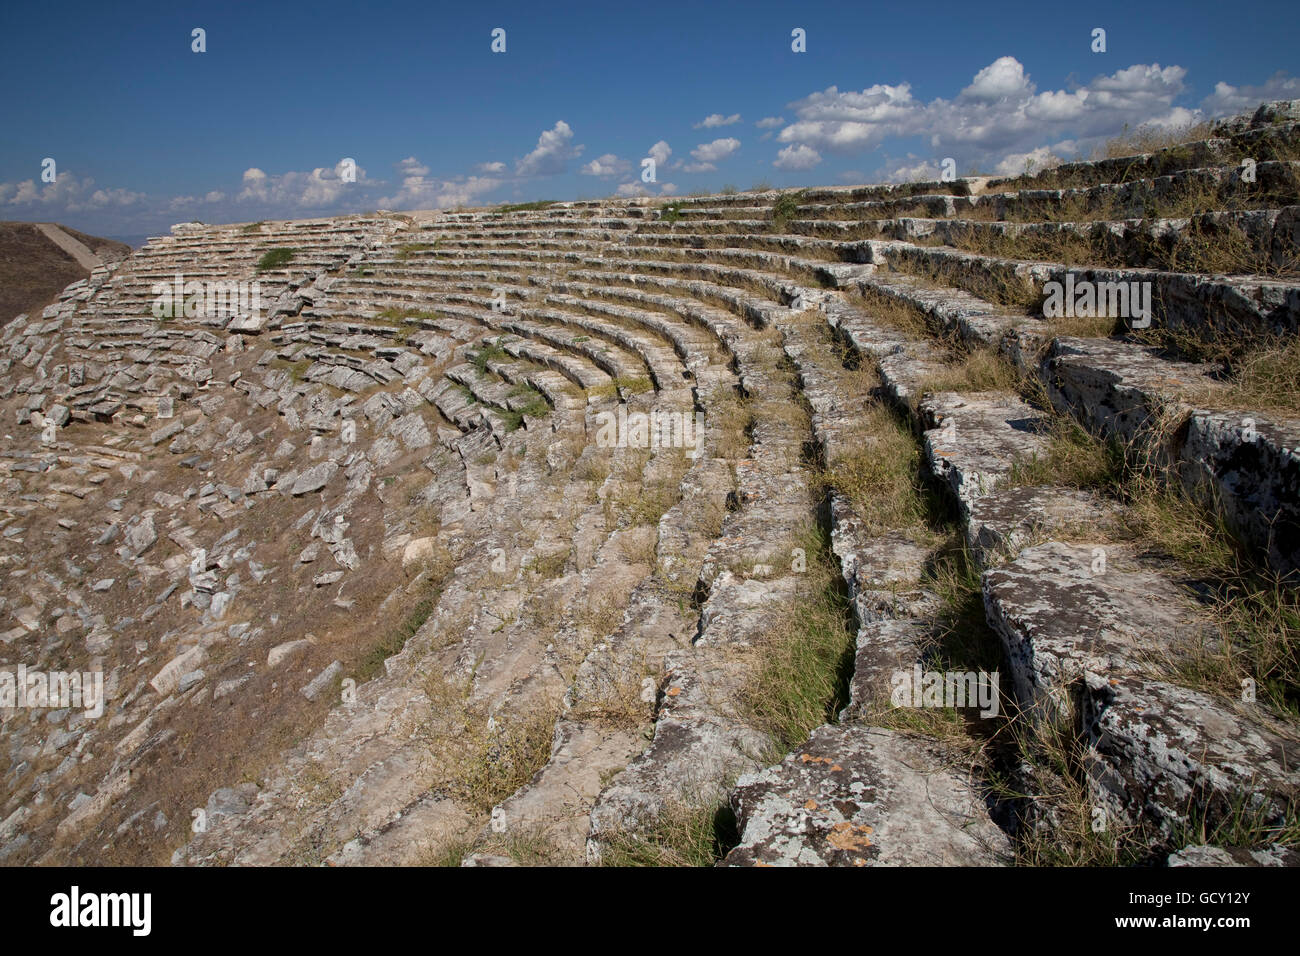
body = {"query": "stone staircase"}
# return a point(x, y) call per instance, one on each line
point(367, 585)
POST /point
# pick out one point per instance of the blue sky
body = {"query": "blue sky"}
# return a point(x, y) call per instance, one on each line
point(145, 132)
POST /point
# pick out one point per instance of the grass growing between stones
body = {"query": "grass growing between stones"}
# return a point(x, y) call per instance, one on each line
point(895, 313)
point(731, 415)
point(1061, 824)
point(525, 401)
point(973, 370)
point(275, 258)
point(488, 352)
point(408, 249)
point(965, 642)
point(1242, 826)
point(681, 836)
point(883, 480)
point(1266, 378)
point(800, 680)
point(1225, 249)
point(622, 385)
point(996, 285)
point(437, 569)
point(1149, 139)
point(483, 756)
point(1075, 458)
point(535, 206)
point(960, 640)
point(1254, 614)
point(786, 208)
point(1067, 248)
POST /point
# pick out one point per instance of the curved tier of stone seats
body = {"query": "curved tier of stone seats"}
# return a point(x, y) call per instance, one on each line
point(394, 477)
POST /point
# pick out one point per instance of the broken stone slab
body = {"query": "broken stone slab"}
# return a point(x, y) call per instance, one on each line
point(141, 536)
point(322, 681)
point(230, 802)
point(974, 442)
point(1001, 524)
point(314, 478)
point(418, 550)
point(220, 604)
point(1093, 637)
point(1272, 855)
point(865, 796)
point(687, 762)
point(1165, 752)
point(411, 430)
point(884, 648)
point(171, 429)
point(281, 651)
point(230, 686)
point(1253, 466)
point(1063, 610)
point(167, 679)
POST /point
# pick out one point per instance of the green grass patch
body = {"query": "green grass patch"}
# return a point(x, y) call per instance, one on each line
point(488, 352)
point(408, 249)
point(883, 481)
point(276, 258)
point(625, 385)
point(1075, 458)
point(528, 206)
point(786, 208)
point(801, 675)
point(372, 665)
point(533, 404)
point(437, 569)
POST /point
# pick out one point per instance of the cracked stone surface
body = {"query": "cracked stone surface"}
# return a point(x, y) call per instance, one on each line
point(863, 796)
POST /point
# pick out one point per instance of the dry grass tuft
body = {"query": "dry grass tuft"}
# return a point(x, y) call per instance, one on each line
point(883, 480)
point(682, 835)
point(483, 757)
point(1149, 138)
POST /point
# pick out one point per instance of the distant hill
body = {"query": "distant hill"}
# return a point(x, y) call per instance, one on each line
point(38, 259)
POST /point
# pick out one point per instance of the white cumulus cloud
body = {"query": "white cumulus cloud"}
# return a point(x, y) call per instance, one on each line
point(607, 165)
point(797, 157)
point(706, 155)
point(714, 120)
point(1227, 99)
point(551, 155)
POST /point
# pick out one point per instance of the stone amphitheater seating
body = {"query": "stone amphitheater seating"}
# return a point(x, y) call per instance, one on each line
point(410, 422)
